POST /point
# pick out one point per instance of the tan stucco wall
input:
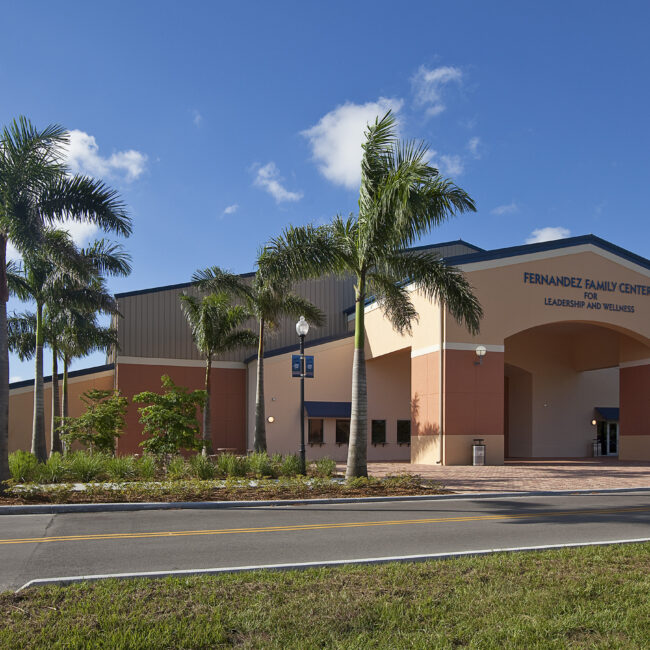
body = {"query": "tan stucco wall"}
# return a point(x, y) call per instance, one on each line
point(562, 399)
point(21, 407)
point(635, 448)
point(425, 408)
point(382, 339)
point(388, 399)
point(510, 305)
point(458, 450)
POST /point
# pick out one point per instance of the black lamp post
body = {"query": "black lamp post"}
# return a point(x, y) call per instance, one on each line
point(302, 328)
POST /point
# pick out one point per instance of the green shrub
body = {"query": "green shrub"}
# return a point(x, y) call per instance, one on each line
point(231, 465)
point(405, 481)
point(177, 469)
point(202, 467)
point(362, 482)
point(121, 468)
point(291, 466)
point(53, 470)
point(85, 466)
point(323, 467)
point(23, 466)
point(145, 467)
point(170, 418)
point(260, 464)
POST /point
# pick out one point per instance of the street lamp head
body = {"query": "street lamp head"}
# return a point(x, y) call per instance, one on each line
point(302, 327)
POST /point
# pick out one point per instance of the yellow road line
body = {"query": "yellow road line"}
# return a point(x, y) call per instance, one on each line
point(299, 527)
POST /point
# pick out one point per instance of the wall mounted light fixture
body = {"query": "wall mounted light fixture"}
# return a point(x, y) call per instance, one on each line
point(270, 419)
point(481, 351)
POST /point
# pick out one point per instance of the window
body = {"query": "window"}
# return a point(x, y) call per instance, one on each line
point(315, 432)
point(403, 432)
point(378, 432)
point(342, 432)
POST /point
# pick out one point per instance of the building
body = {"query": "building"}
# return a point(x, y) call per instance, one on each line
point(566, 336)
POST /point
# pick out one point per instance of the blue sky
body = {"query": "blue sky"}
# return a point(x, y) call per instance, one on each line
point(220, 123)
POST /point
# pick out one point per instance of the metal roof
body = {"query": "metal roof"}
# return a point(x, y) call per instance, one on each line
point(609, 413)
point(328, 409)
point(71, 375)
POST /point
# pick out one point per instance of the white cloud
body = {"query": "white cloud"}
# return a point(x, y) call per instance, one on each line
point(548, 234)
point(508, 208)
point(14, 378)
point(451, 165)
point(428, 84)
point(336, 139)
point(197, 118)
point(83, 157)
point(474, 147)
point(81, 232)
point(12, 253)
point(231, 209)
point(268, 177)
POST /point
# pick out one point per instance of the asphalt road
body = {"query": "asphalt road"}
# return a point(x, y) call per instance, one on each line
point(47, 546)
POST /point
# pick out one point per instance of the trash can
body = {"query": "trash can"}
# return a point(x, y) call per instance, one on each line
point(596, 447)
point(478, 452)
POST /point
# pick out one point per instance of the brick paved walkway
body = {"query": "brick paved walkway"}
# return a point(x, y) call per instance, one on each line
point(522, 475)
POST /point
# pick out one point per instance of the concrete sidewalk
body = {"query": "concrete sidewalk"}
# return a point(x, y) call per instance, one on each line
point(527, 475)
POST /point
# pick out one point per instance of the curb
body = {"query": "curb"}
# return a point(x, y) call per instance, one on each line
point(323, 564)
point(63, 508)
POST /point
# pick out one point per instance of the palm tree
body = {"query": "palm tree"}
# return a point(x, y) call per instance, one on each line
point(46, 271)
point(401, 198)
point(81, 336)
point(35, 191)
point(215, 324)
point(99, 259)
point(58, 277)
point(269, 299)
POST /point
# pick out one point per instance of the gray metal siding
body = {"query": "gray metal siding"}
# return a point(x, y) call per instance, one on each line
point(153, 325)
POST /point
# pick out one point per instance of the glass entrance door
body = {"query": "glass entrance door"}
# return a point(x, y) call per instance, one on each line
point(612, 439)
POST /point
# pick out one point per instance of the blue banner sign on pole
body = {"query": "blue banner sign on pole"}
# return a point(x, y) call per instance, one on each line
point(295, 366)
point(309, 367)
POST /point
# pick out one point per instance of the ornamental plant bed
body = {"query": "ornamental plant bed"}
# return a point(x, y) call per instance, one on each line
point(215, 490)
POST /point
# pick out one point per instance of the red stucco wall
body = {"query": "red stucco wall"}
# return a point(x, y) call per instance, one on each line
point(227, 403)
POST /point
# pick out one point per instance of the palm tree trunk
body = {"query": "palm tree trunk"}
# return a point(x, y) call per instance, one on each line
point(55, 439)
point(39, 448)
point(64, 392)
point(4, 368)
point(358, 445)
point(207, 432)
point(259, 443)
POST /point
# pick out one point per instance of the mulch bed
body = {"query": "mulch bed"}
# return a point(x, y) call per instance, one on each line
point(225, 494)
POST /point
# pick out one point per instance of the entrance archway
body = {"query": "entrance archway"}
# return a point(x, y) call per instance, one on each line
point(556, 376)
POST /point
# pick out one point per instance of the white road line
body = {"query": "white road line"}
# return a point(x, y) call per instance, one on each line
point(325, 563)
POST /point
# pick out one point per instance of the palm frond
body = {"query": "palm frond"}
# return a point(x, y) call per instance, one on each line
point(217, 280)
point(21, 335)
point(108, 257)
point(441, 282)
point(80, 198)
point(294, 305)
point(394, 301)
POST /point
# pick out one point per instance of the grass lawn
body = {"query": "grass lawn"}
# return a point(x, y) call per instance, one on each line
point(588, 597)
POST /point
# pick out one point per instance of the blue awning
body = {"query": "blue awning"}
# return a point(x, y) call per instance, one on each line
point(608, 413)
point(328, 409)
